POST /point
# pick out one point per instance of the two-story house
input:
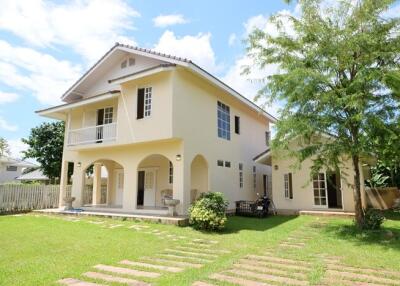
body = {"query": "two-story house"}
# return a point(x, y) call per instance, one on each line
point(161, 126)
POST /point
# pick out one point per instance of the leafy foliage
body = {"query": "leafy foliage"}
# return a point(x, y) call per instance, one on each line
point(383, 176)
point(208, 212)
point(46, 146)
point(373, 219)
point(4, 147)
point(338, 70)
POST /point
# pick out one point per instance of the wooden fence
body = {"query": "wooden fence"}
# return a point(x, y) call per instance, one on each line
point(18, 198)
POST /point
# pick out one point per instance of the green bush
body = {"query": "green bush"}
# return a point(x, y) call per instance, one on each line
point(373, 219)
point(208, 212)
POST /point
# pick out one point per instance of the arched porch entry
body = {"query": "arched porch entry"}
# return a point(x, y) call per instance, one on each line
point(198, 177)
point(103, 184)
point(155, 174)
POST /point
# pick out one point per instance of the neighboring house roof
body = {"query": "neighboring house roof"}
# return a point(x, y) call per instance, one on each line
point(170, 61)
point(16, 162)
point(35, 175)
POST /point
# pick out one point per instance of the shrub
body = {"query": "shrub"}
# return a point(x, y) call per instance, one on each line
point(373, 219)
point(208, 212)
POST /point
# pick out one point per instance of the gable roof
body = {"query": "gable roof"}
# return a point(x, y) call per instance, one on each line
point(172, 60)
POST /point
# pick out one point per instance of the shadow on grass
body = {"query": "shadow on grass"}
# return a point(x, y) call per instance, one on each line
point(385, 237)
point(392, 214)
point(237, 223)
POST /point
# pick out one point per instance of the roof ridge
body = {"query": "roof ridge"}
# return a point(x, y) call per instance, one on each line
point(153, 52)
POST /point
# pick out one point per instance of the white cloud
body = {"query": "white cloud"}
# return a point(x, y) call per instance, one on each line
point(7, 97)
point(16, 148)
point(7, 126)
point(88, 27)
point(263, 23)
point(163, 21)
point(43, 75)
point(196, 48)
point(392, 12)
point(232, 39)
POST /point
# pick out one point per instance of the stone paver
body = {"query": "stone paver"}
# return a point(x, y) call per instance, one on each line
point(275, 265)
point(201, 283)
point(190, 258)
point(268, 277)
point(371, 271)
point(126, 271)
point(237, 280)
point(192, 253)
point(279, 260)
point(76, 282)
point(211, 251)
point(362, 277)
point(272, 271)
point(176, 263)
point(110, 278)
point(205, 241)
point(154, 266)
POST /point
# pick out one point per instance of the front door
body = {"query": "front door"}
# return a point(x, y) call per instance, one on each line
point(119, 186)
point(333, 188)
point(149, 188)
point(140, 193)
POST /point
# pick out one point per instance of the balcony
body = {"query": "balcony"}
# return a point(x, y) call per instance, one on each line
point(92, 134)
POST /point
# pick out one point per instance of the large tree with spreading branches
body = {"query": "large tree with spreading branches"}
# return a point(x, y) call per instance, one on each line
point(338, 68)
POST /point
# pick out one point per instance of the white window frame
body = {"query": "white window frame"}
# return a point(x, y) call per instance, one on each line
point(223, 121)
point(14, 168)
point(319, 188)
point(108, 115)
point(147, 102)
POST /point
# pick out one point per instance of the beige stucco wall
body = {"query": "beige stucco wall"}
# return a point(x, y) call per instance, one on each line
point(303, 196)
point(195, 120)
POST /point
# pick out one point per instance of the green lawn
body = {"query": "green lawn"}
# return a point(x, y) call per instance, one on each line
point(39, 250)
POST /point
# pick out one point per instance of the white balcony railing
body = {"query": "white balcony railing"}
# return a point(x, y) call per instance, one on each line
point(92, 134)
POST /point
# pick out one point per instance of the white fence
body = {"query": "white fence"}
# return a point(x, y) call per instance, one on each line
point(15, 198)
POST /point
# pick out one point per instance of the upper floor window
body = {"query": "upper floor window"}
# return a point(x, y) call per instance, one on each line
point(224, 121)
point(144, 100)
point(12, 168)
point(130, 61)
point(287, 179)
point(220, 163)
point(267, 138)
point(237, 124)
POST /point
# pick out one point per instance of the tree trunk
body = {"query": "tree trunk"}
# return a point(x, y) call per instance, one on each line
point(357, 193)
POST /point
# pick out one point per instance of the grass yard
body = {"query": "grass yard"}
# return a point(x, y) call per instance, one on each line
point(39, 250)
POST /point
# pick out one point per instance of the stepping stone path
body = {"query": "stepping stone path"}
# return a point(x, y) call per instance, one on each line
point(171, 260)
point(270, 268)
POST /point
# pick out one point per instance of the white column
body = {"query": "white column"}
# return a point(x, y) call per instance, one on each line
point(63, 183)
point(77, 184)
point(129, 197)
point(181, 186)
point(96, 183)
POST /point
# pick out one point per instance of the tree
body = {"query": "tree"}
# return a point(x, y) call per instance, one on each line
point(335, 67)
point(46, 146)
point(4, 147)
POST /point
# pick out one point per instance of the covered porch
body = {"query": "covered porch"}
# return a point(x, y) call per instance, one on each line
point(130, 186)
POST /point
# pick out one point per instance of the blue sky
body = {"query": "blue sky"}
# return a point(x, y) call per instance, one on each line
point(45, 46)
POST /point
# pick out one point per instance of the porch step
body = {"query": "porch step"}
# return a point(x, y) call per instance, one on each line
point(126, 271)
point(110, 278)
point(76, 282)
point(154, 266)
point(328, 213)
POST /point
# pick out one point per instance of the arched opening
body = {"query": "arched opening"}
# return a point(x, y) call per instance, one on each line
point(198, 177)
point(155, 180)
point(103, 184)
